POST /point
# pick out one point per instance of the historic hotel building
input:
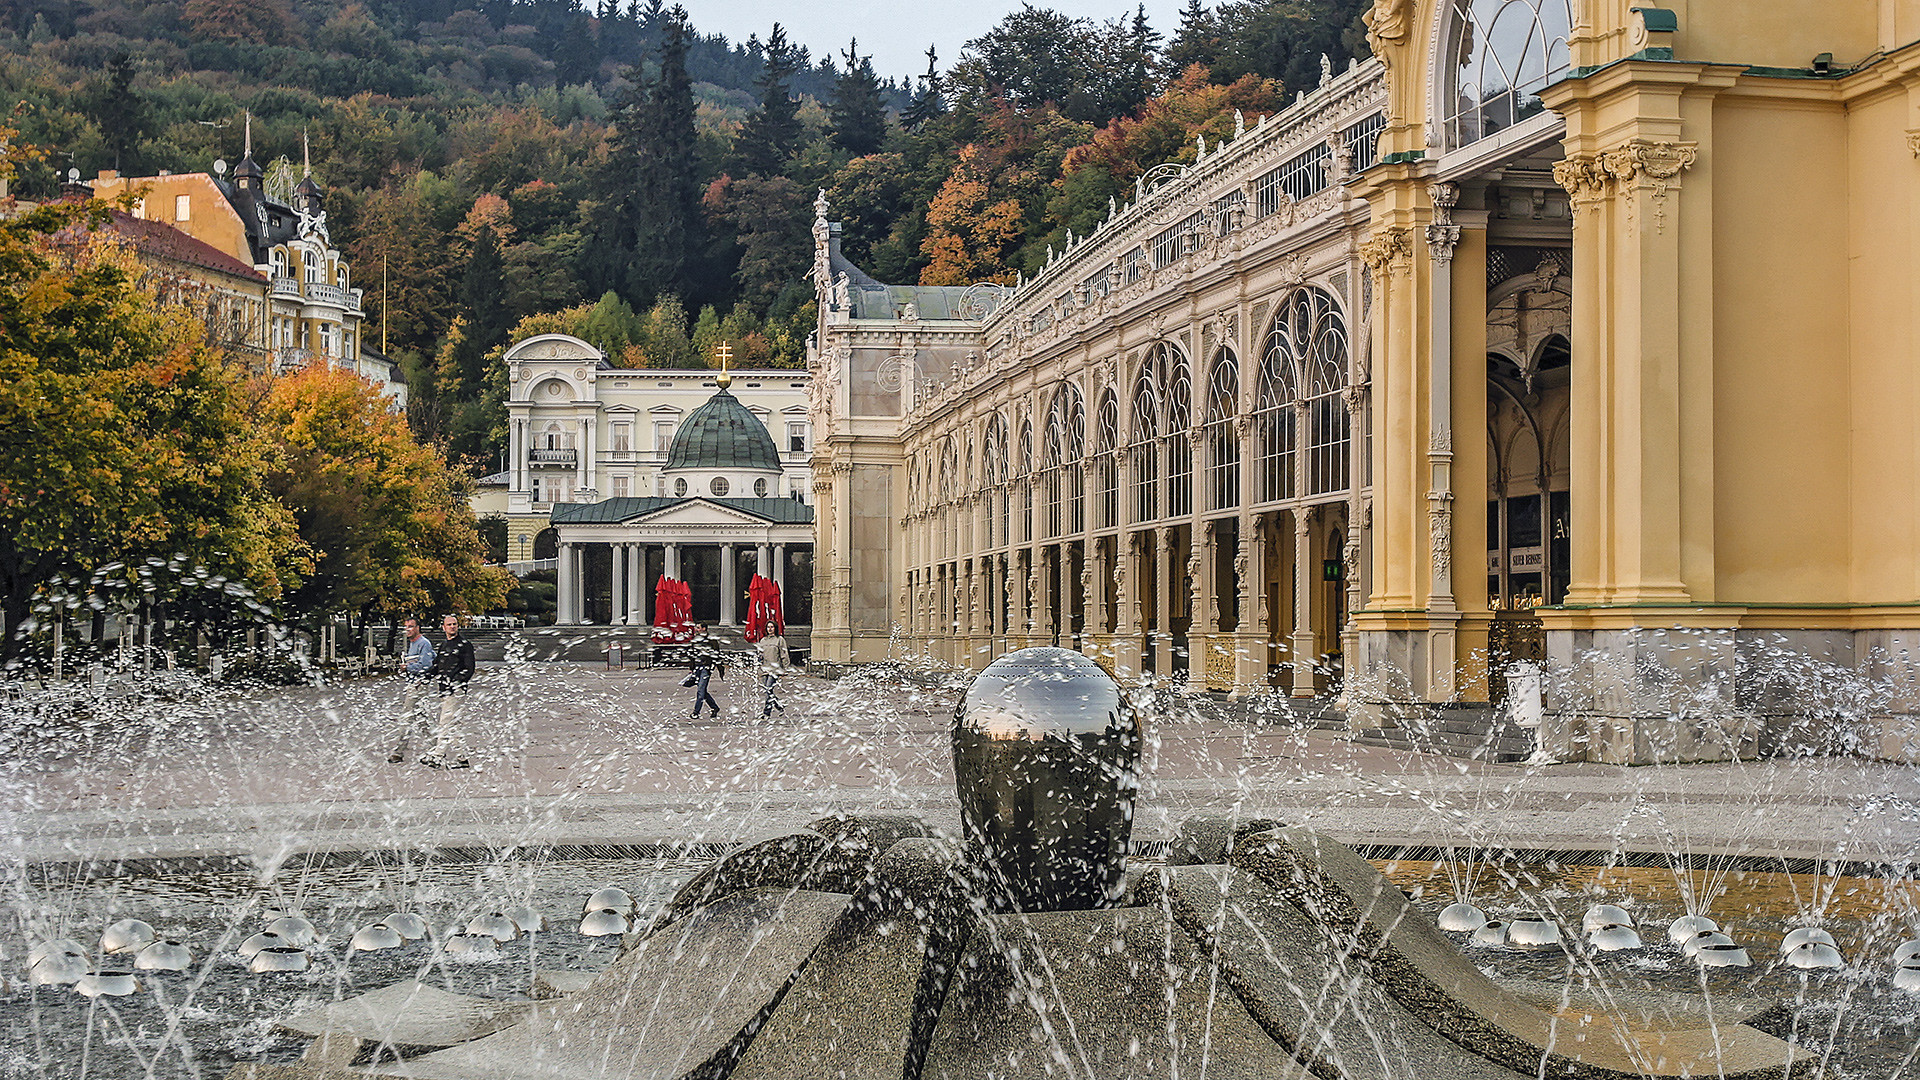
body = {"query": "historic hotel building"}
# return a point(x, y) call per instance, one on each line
point(1572, 330)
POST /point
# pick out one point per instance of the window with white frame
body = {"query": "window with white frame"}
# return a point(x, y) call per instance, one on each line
point(662, 435)
point(620, 487)
point(183, 208)
point(622, 438)
point(796, 436)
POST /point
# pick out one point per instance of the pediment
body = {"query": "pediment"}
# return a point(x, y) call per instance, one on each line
point(697, 512)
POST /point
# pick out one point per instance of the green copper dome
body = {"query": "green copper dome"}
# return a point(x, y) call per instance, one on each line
point(723, 434)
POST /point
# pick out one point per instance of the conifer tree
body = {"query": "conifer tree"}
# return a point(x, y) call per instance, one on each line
point(1196, 42)
point(667, 227)
point(929, 101)
point(772, 134)
point(858, 115)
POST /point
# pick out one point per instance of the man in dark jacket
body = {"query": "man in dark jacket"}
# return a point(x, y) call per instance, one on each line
point(453, 667)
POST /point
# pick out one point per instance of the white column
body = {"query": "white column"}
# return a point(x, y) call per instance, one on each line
point(516, 454)
point(617, 583)
point(586, 452)
point(673, 561)
point(1164, 582)
point(562, 595)
point(1302, 643)
point(727, 575)
point(779, 574)
point(765, 559)
point(636, 584)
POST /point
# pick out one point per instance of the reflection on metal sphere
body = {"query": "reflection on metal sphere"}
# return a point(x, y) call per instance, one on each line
point(1046, 757)
point(374, 938)
point(125, 936)
point(408, 925)
point(163, 956)
point(1461, 918)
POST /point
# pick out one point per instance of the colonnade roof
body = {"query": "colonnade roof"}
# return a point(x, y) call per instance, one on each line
point(618, 510)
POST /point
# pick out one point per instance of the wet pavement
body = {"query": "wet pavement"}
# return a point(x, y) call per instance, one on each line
point(577, 754)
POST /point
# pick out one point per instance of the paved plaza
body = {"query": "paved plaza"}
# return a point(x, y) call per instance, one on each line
point(577, 754)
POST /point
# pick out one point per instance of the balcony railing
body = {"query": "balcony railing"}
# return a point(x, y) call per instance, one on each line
point(552, 457)
point(326, 294)
point(291, 359)
point(353, 299)
point(286, 286)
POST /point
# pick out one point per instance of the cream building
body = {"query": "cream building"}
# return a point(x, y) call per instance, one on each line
point(1614, 298)
point(310, 306)
point(622, 474)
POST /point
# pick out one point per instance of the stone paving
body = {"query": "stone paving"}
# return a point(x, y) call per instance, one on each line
point(575, 753)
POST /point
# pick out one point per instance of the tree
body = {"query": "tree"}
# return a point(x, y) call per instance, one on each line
point(120, 112)
point(255, 22)
point(929, 101)
point(122, 433)
point(858, 116)
point(1196, 42)
point(770, 216)
point(388, 525)
point(772, 134)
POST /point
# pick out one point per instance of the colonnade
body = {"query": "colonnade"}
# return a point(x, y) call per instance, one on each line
point(632, 591)
point(1260, 602)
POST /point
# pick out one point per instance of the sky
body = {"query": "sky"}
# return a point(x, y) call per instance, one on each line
point(895, 33)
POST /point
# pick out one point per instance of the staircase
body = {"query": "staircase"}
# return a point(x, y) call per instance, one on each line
point(1460, 730)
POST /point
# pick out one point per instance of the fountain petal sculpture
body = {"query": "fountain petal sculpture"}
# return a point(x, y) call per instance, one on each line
point(609, 899)
point(57, 969)
point(69, 947)
point(106, 984)
point(375, 938)
point(1491, 934)
point(1688, 926)
point(297, 929)
point(1906, 976)
point(527, 919)
point(1533, 933)
point(603, 923)
point(265, 939)
point(1614, 939)
point(1813, 955)
point(1906, 950)
point(1603, 915)
point(472, 946)
point(496, 926)
point(278, 958)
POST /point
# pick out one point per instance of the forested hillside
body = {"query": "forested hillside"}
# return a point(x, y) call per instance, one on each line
point(500, 166)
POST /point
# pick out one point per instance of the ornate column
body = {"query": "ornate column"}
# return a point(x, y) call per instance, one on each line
point(1443, 611)
point(1039, 621)
point(563, 578)
point(1301, 642)
point(1063, 588)
point(1249, 567)
point(586, 453)
point(1128, 651)
point(1166, 579)
point(1096, 569)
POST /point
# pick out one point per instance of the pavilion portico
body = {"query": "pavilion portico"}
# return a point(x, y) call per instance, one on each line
point(612, 553)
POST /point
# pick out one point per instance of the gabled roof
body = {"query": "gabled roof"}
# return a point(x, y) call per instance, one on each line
point(615, 511)
point(163, 241)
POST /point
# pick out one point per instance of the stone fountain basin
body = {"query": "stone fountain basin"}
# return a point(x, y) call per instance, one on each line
point(851, 950)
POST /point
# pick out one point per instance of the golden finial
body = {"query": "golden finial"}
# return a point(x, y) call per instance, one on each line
point(725, 352)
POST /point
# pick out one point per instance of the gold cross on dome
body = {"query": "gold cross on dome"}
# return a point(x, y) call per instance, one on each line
point(724, 351)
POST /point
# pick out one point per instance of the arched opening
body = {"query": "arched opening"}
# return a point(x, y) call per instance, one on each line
point(1498, 55)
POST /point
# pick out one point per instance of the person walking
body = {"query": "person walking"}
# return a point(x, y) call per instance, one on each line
point(414, 666)
point(702, 658)
point(453, 667)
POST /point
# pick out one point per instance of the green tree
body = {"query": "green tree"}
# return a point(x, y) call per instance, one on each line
point(772, 134)
point(858, 116)
point(120, 111)
point(125, 436)
point(770, 216)
point(929, 97)
point(1197, 41)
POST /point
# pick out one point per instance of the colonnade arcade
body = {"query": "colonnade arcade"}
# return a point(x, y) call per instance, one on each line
point(1190, 506)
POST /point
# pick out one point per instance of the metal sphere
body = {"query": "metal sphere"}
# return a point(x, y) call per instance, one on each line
point(1046, 755)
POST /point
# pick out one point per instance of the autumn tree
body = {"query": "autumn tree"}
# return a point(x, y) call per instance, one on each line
point(124, 435)
point(388, 525)
point(969, 235)
point(256, 22)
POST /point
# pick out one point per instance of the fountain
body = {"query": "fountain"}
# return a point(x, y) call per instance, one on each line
point(869, 946)
point(1022, 928)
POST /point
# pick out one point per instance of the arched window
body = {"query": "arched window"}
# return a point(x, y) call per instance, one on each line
point(1179, 443)
point(1106, 475)
point(1023, 462)
point(949, 471)
point(1329, 426)
point(1274, 417)
point(993, 465)
point(1500, 54)
point(1065, 444)
point(1144, 452)
point(1223, 445)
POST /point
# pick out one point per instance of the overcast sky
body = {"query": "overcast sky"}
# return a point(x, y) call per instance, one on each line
point(896, 33)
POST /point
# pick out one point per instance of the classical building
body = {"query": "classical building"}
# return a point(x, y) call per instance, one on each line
point(624, 474)
point(228, 294)
point(310, 308)
point(1565, 330)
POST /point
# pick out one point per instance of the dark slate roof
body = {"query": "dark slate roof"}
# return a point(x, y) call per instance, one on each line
point(615, 511)
point(723, 434)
